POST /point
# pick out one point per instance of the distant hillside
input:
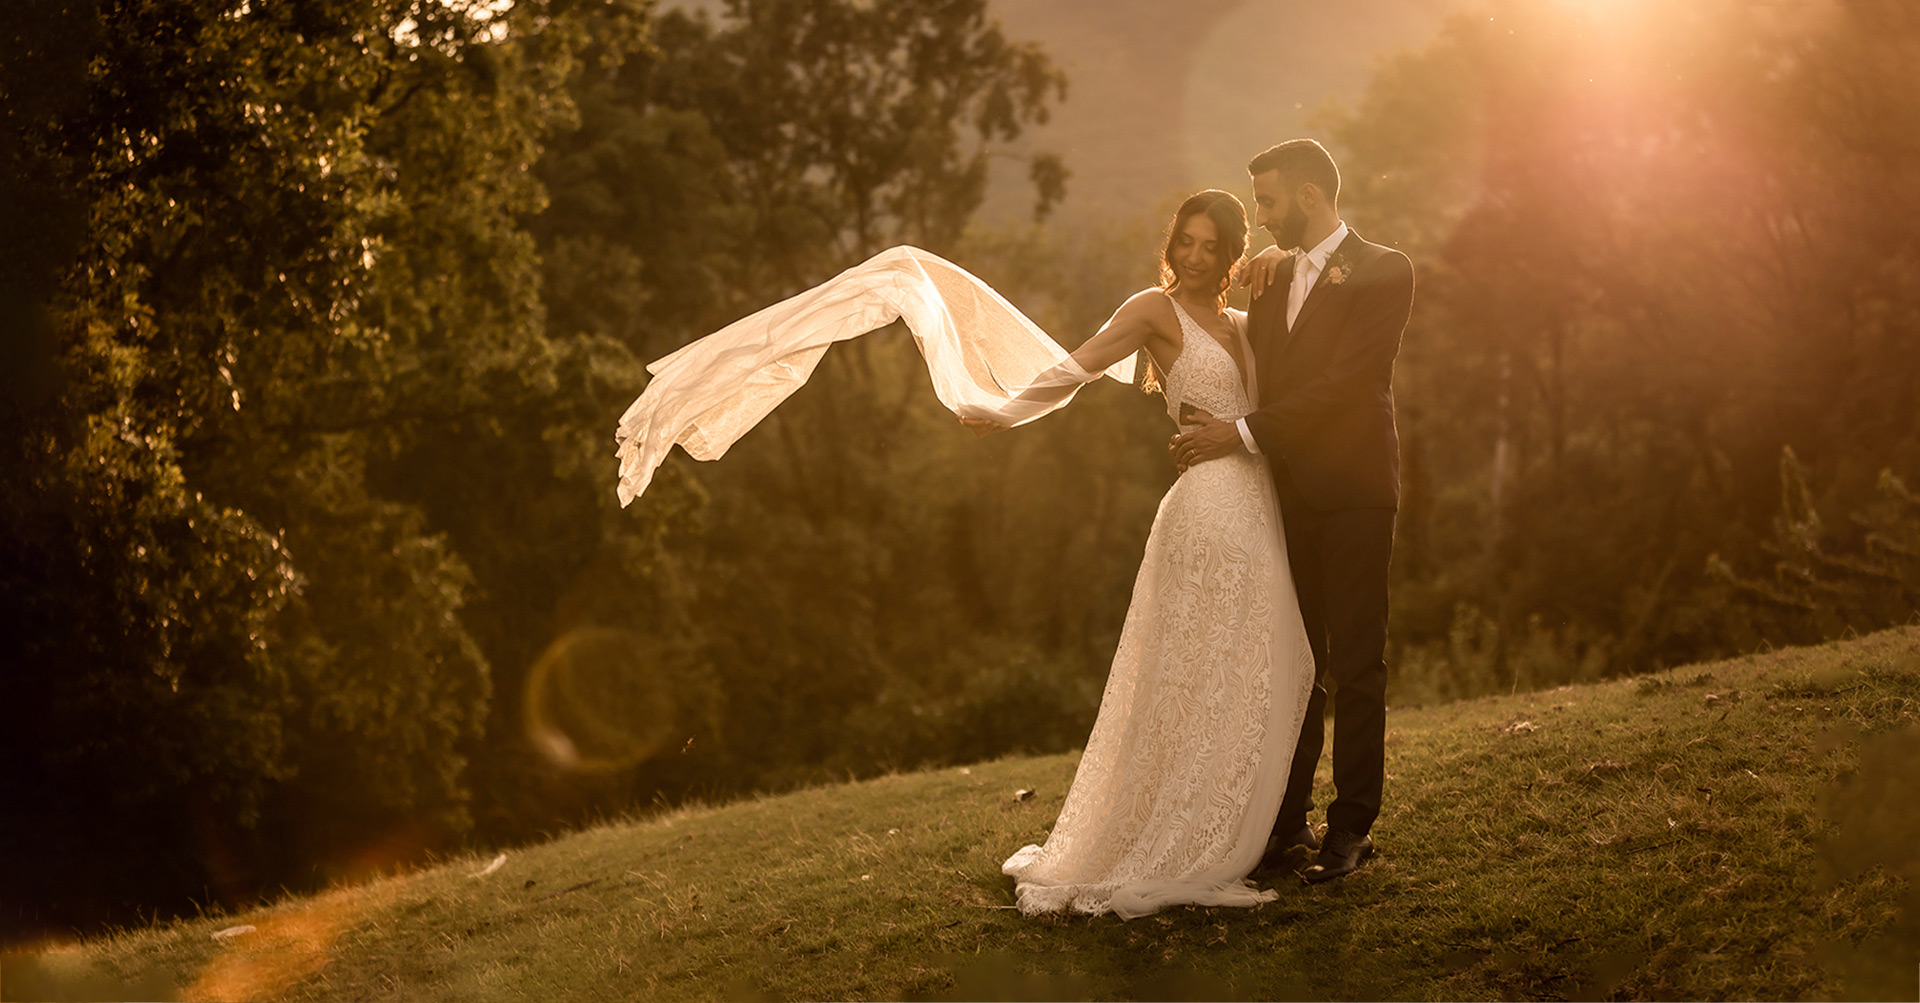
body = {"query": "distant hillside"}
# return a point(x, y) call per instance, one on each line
point(1745, 829)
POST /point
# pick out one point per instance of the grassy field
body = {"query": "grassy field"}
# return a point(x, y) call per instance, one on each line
point(1746, 829)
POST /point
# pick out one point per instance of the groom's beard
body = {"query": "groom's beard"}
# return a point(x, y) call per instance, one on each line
point(1292, 229)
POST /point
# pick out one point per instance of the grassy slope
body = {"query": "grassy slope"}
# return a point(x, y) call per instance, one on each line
point(1664, 837)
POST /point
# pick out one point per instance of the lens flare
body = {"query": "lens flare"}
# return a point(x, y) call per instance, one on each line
point(596, 703)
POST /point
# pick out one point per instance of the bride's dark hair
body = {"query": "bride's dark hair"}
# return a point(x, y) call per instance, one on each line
point(1230, 224)
point(1229, 221)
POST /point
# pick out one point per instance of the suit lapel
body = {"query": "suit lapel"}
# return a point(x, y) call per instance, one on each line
point(1271, 308)
point(1320, 292)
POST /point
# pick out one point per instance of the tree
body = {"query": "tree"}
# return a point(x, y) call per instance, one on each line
point(282, 240)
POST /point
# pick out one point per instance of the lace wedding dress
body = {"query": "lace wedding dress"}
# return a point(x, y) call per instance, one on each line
point(1182, 776)
point(1176, 792)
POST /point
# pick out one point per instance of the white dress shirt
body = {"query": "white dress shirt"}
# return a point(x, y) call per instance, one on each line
point(1306, 271)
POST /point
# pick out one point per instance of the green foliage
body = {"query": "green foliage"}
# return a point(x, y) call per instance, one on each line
point(723, 163)
point(1818, 589)
point(289, 243)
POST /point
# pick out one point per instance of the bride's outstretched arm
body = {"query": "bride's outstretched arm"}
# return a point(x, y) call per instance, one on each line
point(978, 348)
point(1124, 333)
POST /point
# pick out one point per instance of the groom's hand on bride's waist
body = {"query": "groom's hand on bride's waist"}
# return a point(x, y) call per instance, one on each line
point(1210, 440)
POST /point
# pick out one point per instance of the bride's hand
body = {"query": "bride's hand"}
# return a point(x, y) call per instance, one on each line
point(1260, 271)
point(982, 427)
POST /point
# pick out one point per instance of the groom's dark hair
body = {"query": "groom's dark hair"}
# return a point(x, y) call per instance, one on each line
point(1300, 161)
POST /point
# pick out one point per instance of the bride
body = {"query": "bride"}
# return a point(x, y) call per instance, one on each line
point(1178, 788)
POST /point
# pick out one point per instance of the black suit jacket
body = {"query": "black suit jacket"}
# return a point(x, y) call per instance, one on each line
point(1325, 420)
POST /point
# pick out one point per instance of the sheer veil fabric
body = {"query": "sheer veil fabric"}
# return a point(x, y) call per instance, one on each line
point(980, 350)
point(1182, 775)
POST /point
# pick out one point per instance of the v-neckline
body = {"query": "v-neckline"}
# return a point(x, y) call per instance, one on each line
point(1241, 367)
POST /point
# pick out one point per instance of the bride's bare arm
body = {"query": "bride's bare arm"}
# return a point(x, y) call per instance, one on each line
point(1146, 317)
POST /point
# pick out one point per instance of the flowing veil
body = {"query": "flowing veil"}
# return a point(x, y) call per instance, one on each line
point(985, 357)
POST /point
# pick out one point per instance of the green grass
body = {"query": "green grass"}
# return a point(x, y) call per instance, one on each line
point(1745, 829)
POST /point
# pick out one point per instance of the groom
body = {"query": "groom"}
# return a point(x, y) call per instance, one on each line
point(1324, 338)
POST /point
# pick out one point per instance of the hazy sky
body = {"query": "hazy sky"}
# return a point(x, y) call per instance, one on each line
point(1167, 98)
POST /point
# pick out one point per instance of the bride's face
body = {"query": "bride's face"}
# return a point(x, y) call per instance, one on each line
point(1196, 252)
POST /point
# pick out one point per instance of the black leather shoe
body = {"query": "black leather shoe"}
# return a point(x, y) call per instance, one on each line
point(1341, 854)
point(1288, 851)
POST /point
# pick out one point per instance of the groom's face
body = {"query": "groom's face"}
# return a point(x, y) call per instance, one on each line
point(1278, 211)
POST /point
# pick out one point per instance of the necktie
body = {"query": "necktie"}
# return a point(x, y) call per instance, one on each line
point(1302, 284)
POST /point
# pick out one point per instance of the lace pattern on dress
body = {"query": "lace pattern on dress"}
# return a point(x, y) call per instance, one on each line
point(1177, 789)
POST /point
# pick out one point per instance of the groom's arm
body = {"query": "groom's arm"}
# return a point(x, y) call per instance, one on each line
point(1371, 341)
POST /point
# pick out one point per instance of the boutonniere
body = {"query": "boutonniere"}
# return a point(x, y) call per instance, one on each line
point(1338, 270)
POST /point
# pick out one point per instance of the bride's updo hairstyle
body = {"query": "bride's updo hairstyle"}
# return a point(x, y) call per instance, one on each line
point(1229, 221)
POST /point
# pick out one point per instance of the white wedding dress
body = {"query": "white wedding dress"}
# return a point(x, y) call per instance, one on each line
point(1177, 790)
